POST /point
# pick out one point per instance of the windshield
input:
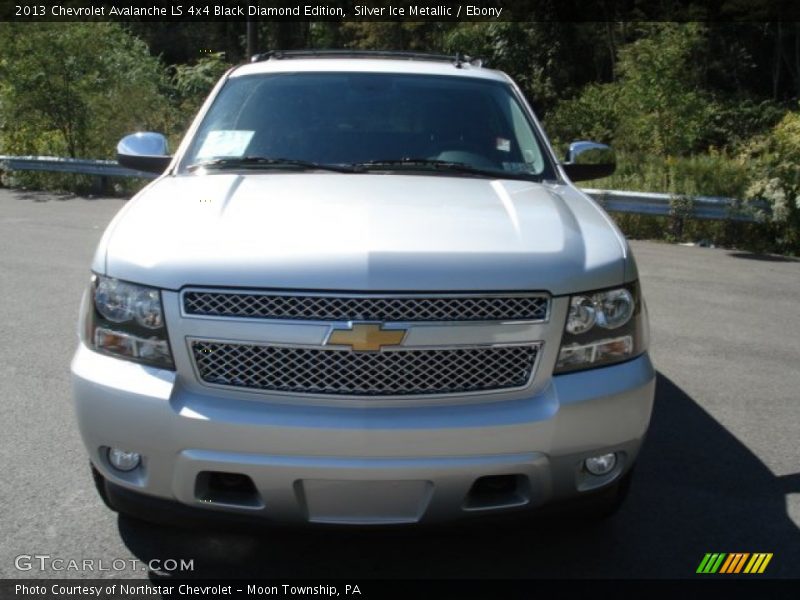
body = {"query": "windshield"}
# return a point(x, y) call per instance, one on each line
point(369, 121)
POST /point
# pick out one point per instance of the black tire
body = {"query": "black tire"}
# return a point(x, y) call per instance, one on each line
point(100, 486)
point(605, 503)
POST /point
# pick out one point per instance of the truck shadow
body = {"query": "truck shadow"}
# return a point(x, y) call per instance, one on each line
point(697, 489)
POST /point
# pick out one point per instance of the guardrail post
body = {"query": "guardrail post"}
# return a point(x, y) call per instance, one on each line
point(96, 187)
point(680, 208)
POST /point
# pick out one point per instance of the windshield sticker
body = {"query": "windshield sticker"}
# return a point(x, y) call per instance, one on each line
point(225, 142)
point(503, 144)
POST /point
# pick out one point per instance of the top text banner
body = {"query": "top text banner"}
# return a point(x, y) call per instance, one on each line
point(399, 10)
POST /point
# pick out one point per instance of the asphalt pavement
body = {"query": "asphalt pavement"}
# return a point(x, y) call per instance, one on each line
point(719, 472)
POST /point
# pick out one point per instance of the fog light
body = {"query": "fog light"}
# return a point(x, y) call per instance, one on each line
point(601, 465)
point(123, 460)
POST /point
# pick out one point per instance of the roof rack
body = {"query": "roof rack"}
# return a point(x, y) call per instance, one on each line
point(458, 60)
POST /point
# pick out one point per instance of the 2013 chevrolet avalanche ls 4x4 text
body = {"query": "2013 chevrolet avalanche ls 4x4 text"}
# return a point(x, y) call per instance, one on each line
point(362, 291)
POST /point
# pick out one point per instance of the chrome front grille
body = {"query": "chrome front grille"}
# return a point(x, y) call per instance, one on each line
point(400, 372)
point(397, 308)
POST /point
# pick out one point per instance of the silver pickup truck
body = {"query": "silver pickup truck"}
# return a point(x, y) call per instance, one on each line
point(362, 291)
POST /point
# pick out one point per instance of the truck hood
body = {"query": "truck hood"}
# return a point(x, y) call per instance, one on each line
point(362, 232)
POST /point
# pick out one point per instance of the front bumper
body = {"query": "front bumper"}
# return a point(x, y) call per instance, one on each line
point(360, 465)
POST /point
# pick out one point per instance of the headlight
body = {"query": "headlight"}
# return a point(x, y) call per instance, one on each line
point(126, 320)
point(609, 309)
point(602, 328)
point(614, 308)
point(582, 314)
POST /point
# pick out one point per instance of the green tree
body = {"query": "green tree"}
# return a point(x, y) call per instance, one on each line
point(655, 106)
point(74, 89)
point(661, 110)
point(393, 35)
point(526, 51)
point(193, 82)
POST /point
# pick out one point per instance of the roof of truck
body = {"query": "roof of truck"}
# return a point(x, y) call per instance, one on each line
point(368, 62)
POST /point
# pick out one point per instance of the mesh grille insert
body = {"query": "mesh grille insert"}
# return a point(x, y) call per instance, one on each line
point(388, 373)
point(367, 308)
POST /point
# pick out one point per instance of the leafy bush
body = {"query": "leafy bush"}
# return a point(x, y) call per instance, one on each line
point(592, 115)
point(775, 158)
point(712, 174)
point(735, 121)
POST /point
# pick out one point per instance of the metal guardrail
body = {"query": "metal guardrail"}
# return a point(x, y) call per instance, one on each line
point(643, 203)
point(81, 166)
point(695, 207)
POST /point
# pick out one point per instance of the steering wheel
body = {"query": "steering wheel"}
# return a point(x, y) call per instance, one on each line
point(470, 154)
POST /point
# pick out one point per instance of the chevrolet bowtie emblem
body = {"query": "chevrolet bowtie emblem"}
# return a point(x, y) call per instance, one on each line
point(366, 337)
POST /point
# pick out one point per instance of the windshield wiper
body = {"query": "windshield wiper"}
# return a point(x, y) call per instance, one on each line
point(431, 164)
point(435, 164)
point(265, 161)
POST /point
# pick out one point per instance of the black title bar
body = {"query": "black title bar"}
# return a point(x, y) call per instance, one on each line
point(730, 588)
point(398, 10)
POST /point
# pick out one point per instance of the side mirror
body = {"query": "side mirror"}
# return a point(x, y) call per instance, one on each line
point(144, 151)
point(589, 160)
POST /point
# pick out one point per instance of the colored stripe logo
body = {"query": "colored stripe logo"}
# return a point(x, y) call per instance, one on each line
point(734, 562)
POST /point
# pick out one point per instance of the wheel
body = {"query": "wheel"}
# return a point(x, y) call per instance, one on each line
point(100, 486)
